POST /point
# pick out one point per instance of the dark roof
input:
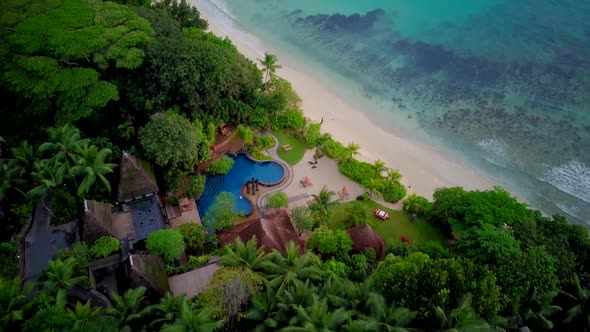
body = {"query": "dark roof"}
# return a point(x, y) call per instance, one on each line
point(146, 216)
point(272, 232)
point(363, 236)
point(98, 221)
point(43, 240)
point(136, 178)
point(149, 271)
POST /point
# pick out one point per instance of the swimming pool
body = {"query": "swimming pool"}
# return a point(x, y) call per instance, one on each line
point(244, 169)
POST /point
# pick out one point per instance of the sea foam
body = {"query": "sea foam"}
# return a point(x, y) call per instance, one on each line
point(495, 151)
point(572, 178)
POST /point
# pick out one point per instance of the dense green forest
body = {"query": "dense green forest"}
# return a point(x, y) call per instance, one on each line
point(84, 80)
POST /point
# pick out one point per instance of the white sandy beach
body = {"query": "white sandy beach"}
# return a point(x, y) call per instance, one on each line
point(423, 168)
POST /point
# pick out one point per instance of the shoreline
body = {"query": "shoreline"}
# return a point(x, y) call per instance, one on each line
point(423, 167)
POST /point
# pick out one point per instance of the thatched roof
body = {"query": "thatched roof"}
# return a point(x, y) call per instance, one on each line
point(149, 271)
point(272, 232)
point(363, 237)
point(98, 221)
point(136, 178)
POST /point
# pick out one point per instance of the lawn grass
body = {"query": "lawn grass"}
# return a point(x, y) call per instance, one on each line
point(393, 228)
point(298, 147)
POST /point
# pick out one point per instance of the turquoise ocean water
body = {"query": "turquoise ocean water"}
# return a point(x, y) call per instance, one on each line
point(504, 83)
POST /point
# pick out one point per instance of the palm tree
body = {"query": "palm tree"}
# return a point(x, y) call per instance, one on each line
point(320, 143)
point(283, 271)
point(393, 177)
point(64, 144)
point(23, 158)
point(13, 303)
point(353, 150)
point(302, 218)
point(298, 294)
point(379, 167)
point(372, 187)
point(9, 179)
point(83, 315)
point(263, 310)
point(269, 67)
point(128, 307)
point(358, 294)
point(244, 255)
point(167, 310)
point(60, 275)
point(49, 175)
point(333, 290)
point(323, 203)
point(384, 317)
point(126, 130)
point(91, 164)
point(318, 317)
point(538, 310)
point(581, 310)
point(191, 320)
point(462, 318)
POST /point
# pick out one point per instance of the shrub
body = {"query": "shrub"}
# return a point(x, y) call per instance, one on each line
point(334, 268)
point(194, 237)
point(401, 249)
point(195, 186)
point(265, 142)
point(166, 242)
point(246, 134)
point(221, 166)
point(335, 150)
point(393, 192)
point(105, 246)
point(357, 171)
point(211, 244)
point(223, 213)
point(434, 250)
point(64, 205)
point(229, 291)
point(258, 155)
point(277, 200)
point(9, 264)
point(330, 243)
point(302, 218)
point(371, 258)
point(193, 263)
point(173, 178)
point(417, 205)
point(312, 135)
point(357, 268)
point(358, 214)
point(290, 119)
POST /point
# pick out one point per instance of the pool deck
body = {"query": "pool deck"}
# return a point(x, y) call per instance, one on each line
point(326, 173)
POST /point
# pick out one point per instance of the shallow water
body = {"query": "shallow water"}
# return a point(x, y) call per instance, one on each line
point(506, 83)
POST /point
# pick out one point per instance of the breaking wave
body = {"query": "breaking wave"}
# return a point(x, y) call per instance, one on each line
point(495, 149)
point(572, 178)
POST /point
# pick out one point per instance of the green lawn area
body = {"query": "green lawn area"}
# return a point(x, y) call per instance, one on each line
point(393, 228)
point(298, 147)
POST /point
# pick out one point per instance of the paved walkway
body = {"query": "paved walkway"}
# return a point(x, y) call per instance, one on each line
point(272, 152)
point(326, 173)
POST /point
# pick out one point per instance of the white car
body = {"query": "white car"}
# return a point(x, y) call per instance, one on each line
point(382, 214)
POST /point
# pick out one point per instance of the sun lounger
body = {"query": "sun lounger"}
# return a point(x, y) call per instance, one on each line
point(286, 147)
point(306, 182)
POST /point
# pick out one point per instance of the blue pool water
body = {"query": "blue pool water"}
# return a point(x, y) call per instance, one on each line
point(244, 169)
